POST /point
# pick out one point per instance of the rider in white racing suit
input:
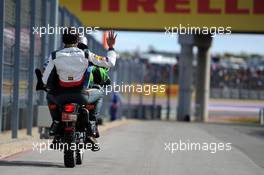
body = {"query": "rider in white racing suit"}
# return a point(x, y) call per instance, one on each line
point(70, 65)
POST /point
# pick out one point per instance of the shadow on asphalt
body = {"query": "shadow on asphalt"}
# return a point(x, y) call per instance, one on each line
point(251, 129)
point(259, 134)
point(30, 164)
point(255, 125)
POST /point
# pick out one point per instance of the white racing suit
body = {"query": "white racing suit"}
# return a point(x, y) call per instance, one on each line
point(70, 65)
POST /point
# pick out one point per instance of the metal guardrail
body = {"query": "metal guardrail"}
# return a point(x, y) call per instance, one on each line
point(21, 52)
point(237, 94)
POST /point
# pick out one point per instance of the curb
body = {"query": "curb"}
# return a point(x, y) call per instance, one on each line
point(26, 144)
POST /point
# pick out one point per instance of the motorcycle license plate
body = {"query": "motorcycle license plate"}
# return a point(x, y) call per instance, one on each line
point(66, 117)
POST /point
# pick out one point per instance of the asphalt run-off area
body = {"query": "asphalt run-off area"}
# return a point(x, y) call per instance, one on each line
point(141, 147)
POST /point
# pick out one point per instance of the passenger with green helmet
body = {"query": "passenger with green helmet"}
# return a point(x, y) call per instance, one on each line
point(96, 78)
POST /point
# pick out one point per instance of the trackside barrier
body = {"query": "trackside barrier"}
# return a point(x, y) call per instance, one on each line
point(44, 121)
point(146, 114)
point(233, 93)
point(261, 116)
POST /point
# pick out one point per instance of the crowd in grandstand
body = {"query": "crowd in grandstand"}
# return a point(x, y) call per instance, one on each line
point(249, 78)
point(238, 75)
point(226, 72)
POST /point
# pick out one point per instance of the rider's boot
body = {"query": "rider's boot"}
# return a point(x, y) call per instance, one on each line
point(95, 130)
point(54, 128)
point(91, 135)
point(55, 143)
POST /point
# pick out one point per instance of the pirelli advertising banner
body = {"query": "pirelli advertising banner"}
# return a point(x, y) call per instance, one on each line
point(240, 15)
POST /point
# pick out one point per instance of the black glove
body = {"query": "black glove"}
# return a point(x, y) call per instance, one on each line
point(40, 84)
point(107, 82)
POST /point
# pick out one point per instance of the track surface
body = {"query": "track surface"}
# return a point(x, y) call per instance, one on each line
point(139, 149)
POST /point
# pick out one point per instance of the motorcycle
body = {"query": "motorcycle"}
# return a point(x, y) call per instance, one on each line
point(71, 135)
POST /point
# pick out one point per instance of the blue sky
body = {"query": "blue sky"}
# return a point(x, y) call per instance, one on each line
point(235, 43)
